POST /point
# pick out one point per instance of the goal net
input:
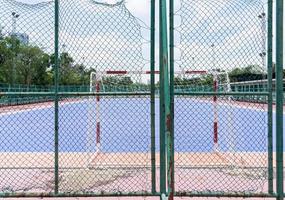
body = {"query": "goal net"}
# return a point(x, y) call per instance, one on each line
point(202, 81)
point(209, 94)
point(109, 81)
point(139, 81)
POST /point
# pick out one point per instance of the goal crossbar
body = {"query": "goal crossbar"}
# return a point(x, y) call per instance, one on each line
point(124, 72)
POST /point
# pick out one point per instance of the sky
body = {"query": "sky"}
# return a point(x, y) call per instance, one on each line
point(140, 9)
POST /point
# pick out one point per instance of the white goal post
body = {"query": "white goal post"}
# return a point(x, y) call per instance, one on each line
point(97, 86)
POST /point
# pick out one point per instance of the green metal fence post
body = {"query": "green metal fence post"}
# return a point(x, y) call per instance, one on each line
point(165, 118)
point(279, 99)
point(152, 104)
point(171, 131)
point(56, 54)
point(269, 79)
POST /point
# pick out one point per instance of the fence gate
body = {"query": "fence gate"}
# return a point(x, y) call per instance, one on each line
point(220, 142)
point(93, 139)
point(79, 107)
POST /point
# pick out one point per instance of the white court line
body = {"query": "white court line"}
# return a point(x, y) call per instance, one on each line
point(34, 109)
point(232, 106)
point(83, 101)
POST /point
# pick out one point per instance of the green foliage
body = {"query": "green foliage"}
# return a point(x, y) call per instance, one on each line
point(249, 73)
point(6, 57)
point(274, 72)
point(30, 65)
point(117, 80)
point(202, 80)
point(67, 75)
point(22, 64)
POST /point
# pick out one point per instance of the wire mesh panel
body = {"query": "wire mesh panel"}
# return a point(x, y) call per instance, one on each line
point(27, 148)
point(238, 163)
point(121, 163)
point(97, 143)
point(27, 34)
point(92, 131)
point(27, 128)
point(101, 36)
point(104, 141)
point(220, 136)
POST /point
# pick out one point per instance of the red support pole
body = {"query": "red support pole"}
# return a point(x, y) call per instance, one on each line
point(215, 113)
point(98, 117)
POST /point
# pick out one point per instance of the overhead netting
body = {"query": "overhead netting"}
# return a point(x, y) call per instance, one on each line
point(32, 24)
point(221, 140)
point(111, 39)
point(104, 141)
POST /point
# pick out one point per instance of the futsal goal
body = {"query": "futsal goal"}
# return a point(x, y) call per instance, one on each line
point(138, 81)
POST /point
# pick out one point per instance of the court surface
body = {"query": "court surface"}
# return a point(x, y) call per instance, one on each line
point(124, 162)
point(125, 126)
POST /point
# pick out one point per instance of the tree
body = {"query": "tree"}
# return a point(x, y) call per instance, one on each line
point(117, 80)
point(22, 63)
point(32, 64)
point(274, 72)
point(83, 73)
point(6, 56)
point(249, 73)
point(68, 71)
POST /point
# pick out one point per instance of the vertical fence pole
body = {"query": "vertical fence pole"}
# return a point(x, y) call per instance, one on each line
point(152, 101)
point(171, 131)
point(56, 66)
point(164, 93)
point(279, 98)
point(270, 102)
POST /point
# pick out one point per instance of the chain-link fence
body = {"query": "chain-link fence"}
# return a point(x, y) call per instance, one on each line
point(115, 144)
point(82, 113)
point(90, 138)
point(221, 142)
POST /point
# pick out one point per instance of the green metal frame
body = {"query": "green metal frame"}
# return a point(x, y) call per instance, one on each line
point(59, 195)
point(74, 93)
point(279, 100)
point(132, 93)
point(270, 97)
point(152, 97)
point(163, 92)
point(56, 98)
point(224, 194)
point(166, 97)
point(171, 168)
point(269, 94)
point(222, 93)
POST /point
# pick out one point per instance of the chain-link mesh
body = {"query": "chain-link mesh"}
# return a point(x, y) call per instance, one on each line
point(104, 140)
point(101, 36)
point(27, 148)
point(115, 130)
point(221, 140)
point(27, 131)
point(121, 162)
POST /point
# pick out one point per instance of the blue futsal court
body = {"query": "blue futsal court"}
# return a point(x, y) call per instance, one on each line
point(125, 126)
